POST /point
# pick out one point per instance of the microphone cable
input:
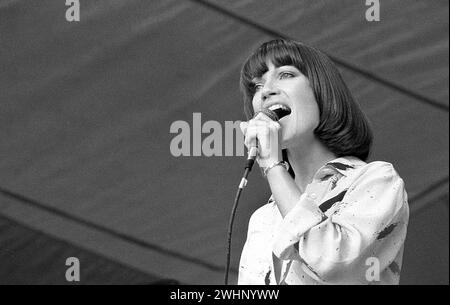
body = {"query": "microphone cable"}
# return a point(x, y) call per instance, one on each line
point(242, 184)
point(275, 116)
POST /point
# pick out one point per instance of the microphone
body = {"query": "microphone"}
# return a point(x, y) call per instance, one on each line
point(274, 115)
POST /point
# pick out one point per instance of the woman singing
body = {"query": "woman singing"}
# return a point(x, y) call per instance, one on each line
point(332, 218)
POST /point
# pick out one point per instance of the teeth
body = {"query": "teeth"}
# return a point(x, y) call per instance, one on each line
point(276, 106)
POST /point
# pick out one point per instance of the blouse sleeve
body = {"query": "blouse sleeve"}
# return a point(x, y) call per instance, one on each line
point(371, 222)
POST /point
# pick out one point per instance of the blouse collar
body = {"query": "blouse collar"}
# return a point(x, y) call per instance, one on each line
point(342, 165)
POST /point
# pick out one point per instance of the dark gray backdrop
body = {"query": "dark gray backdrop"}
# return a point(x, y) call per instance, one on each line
point(86, 107)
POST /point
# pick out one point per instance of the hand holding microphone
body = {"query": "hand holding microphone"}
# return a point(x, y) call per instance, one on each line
point(263, 137)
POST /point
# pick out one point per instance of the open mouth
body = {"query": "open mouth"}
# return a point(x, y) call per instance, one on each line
point(280, 110)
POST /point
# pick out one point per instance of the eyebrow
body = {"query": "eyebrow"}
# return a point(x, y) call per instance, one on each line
point(290, 67)
point(255, 79)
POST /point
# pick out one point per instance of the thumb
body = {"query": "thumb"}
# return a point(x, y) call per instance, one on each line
point(243, 126)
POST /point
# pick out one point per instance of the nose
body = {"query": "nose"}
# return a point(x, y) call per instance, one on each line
point(268, 92)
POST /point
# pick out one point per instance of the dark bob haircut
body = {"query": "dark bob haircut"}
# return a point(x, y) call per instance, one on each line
point(343, 127)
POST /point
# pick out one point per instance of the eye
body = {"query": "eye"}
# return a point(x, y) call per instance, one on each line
point(257, 86)
point(286, 75)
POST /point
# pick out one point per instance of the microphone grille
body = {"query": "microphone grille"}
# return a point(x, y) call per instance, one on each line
point(271, 114)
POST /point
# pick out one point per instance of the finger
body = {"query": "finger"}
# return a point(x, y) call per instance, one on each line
point(274, 124)
point(258, 122)
point(262, 116)
point(243, 126)
point(263, 123)
point(251, 136)
point(257, 135)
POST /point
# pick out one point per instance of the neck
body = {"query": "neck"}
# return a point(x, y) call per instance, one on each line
point(305, 161)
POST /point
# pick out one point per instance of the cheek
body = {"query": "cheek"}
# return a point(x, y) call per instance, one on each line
point(312, 113)
point(308, 114)
point(256, 103)
point(313, 110)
